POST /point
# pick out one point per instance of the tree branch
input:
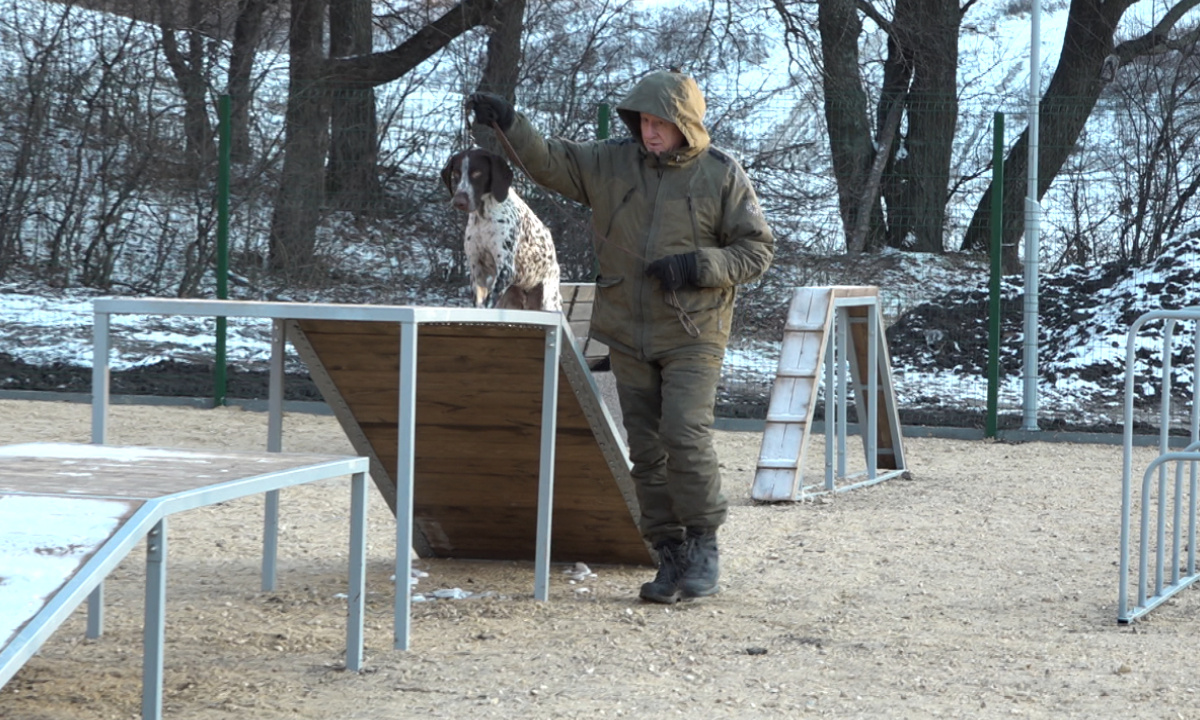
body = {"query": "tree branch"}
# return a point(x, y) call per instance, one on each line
point(1158, 40)
point(383, 67)
point(869, 10)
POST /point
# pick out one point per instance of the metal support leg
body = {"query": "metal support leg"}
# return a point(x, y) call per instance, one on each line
point(406, 450)
point(153, 632)
point(356, 596)
point(100, 384)
point(270, 539)
point(870, 433)
point(100, 352)
point(545, 508)
point(274, 444)
point(95, 612)
point(830, 408)
point(844, 348)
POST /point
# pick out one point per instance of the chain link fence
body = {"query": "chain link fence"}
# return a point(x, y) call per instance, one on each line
point(108, 172)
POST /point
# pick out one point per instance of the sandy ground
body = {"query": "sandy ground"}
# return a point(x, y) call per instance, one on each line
point(984, 586)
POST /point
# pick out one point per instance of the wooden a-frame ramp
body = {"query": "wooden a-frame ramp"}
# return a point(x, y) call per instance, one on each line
point(478, 423)
point(829, 329)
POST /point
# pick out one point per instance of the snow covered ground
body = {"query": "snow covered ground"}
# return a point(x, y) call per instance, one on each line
point(938, 341)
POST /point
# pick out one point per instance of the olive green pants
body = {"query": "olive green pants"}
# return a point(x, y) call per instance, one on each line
point(667, 407)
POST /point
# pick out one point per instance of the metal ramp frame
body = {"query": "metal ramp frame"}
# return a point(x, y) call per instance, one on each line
point(475, 453)
point(1161, 534)
point(836, 334)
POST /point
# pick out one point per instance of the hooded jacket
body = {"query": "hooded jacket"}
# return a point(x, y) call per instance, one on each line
point(647, 206)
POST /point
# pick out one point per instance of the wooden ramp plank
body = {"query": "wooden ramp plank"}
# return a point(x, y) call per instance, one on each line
point(887, 424)
point(793, 395)
point(578, 299)
point(478, 429)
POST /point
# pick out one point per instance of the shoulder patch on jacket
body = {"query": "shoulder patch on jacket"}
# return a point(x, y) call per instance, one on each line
point(720, 155)
point(619, 141)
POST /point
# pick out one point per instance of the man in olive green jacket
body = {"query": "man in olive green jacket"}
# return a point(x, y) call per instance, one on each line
point(677, 227)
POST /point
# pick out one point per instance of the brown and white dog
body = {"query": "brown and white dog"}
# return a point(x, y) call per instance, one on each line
point(511, 253)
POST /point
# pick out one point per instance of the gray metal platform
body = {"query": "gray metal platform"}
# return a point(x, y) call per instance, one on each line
point(70, 513)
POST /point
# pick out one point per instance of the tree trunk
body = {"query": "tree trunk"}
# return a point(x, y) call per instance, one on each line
point(189, 74)
point(1063, 112)
point(850, 142)
point(301, 196)
point(382, 67)
point(352, 180)
point(247, 31)
point(311, 76)
point(503, 63)
point(919, 177)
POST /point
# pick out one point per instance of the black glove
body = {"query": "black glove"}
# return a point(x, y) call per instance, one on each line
point(490, 108)
point(675, 271)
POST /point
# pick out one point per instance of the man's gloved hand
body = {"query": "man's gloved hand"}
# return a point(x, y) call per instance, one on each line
point(675, 271)
point(490, 108)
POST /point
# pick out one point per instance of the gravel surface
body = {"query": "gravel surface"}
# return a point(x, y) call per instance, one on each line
point(984, 586)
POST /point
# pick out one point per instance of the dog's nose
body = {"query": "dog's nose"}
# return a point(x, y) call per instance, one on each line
point(460, 202)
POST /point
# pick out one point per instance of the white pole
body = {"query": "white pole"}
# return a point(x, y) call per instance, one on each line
point(1032, 225)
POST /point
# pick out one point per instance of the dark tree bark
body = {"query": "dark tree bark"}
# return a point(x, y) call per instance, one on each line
point(924, 50)
point(846, 115)
point(920, 81)
point(301, 196)
point(383, 67)
point(351, 179)
point(188, 69)
point(503, 64)
point(311, 78)
point(1064, 110)
point(247, 31)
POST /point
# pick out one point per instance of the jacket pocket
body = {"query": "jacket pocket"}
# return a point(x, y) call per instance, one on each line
point(701, 299)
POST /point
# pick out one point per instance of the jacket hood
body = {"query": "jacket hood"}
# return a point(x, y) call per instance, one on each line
point(672, 96)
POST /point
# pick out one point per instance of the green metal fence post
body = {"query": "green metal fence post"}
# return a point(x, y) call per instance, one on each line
point(224, 140)
point(997, 212)
point(602, 126)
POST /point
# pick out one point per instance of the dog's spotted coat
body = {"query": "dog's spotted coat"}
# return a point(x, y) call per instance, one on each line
point(510, 251)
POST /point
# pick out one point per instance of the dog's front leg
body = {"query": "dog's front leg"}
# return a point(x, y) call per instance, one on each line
point(505, 274)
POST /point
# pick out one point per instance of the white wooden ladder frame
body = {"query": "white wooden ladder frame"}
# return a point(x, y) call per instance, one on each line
point(819, 342)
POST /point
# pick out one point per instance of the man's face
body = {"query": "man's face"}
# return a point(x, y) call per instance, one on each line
point(659, 135)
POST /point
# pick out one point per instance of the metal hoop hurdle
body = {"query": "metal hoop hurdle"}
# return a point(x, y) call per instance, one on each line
point(1161, 526)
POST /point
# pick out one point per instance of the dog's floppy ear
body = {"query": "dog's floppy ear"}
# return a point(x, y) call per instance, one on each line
point(502, 177)
point(454, 160)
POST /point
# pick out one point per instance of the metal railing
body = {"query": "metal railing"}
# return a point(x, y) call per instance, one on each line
point(1163, 533)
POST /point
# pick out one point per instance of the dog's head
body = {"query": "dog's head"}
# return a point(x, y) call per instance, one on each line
point(471, 174)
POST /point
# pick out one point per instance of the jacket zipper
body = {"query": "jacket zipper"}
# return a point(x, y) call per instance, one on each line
point(692, 217)
point(644, 296)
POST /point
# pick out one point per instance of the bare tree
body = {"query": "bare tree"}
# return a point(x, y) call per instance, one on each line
point(1084, 69)
point(188, 66)
point(301, 186)
point(247, 33)
point(1159, 139)
point(92, 140)
point(312, 80)
point(904, 156)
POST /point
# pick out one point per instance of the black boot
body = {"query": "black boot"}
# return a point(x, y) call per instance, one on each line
point(702, 567)
point(664, 588)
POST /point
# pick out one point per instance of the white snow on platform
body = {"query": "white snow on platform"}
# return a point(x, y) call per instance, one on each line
point(43, 541)
point(81, 451)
